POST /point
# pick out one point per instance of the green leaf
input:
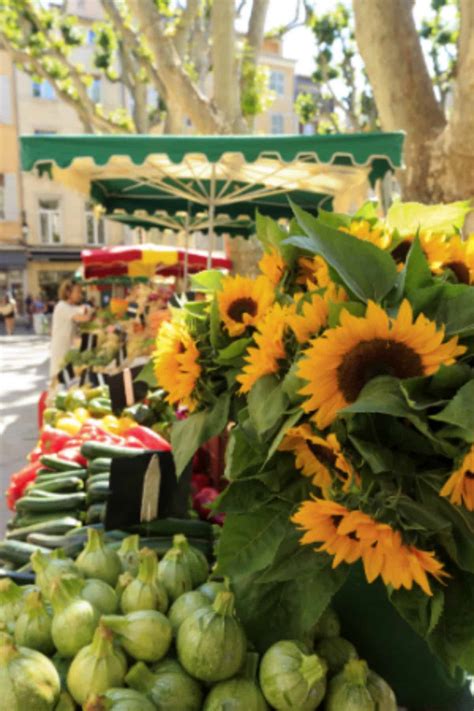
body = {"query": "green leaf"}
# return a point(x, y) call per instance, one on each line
point(367, 271)
point(368, 211)
point(208, 280)
point(189, 434)
point(354, 307)
point(147, 375)
point(456, 310)
point(290, 421)
point(334, 219)
point(408, 217)
point(460, 411)
point(233, 351)
point(249, 541)
point(272, 236)
point(267, 403)
point(418, 609)
point(215, 330)
point(453, 637)
point(380, 459)
point(244, 497)
point(244, 456)
point(417, 270)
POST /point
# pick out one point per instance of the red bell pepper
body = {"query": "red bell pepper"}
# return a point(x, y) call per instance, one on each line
point(19, 481)
point(92, 431)
point(52, 440)
point(201, 504)
point(73, 454)
point(131, 441)
point(148, 438)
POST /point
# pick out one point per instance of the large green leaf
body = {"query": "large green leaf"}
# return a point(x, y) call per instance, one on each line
point(417, 270)
point(267, 403)
point(460, 411)
point(272, 236)
point(421, 611)
point(147, 375)
point(189, 434)
point(368, 272)
point(249, 541)
point(244, 496)
point(456, 310)
point(234, 351)
point(453, 637)
point(208, 280)
point(244, 455)
point(408, 217)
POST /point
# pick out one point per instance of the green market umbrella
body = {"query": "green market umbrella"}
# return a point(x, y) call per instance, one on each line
point(215, 173)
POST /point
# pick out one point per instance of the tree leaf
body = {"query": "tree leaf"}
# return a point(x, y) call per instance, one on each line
point(267, 403)
point(408, 217)
point(189, 434)
point(460, 411)
point(207, 280)
point(368, 272)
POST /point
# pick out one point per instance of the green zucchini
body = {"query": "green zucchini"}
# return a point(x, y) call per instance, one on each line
point(41, 472)
point(105, 476)
point(54, 502)
point(56, 526)
point(68, 483)
point(95, 513)
point(98, 491)
point(52, 541)
point(101, 464)
point(35, 518)
point(93, 450)
point(81, 473)
point(170, 526)
point(18, 552)
point(53, 461)
point(38, 493)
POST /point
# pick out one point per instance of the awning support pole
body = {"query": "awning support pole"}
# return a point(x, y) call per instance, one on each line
point(212, 197)
point(186, 250)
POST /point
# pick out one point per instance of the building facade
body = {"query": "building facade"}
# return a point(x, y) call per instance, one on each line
point(280, 117)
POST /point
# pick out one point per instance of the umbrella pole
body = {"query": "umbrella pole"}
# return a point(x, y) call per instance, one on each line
point(186, 250)
point(212, 198)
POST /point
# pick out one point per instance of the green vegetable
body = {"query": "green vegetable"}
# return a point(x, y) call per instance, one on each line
point(97, 491)
point(119, 700)
point(184, 606)
point(33, 626)
point(98, 561)
point(97, 667)
point(174, 573)
point(95, 513)
point(28, 679)
point(51, 567)
point(328, 625)
point(193, 558)
point(100, 595)
point(56, 526)
point(381, 693)
point(93, 450)
point(291, 678)
point(348, 690)
point(145, 635)
point(75, 398)
point(54, 462)
point(18, 552)
point(61, 484)
point(239, 694)
point(129, 553)
point(336, 652)
point(144, 592)
point(65, 703)
point(74, 619)
point(60, 476)
point(211, 588)
point(211, 642)
point(99, 465)
point(169, 526)
point(62, 667)
point(99, 406)
point(11, 601)
point(167, 685)
point(54, 502)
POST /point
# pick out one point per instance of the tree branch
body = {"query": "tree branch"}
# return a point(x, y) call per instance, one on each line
point(182, 95)
point(390, 47)
point(184, 27)
point(461, 122)
point(224, 64)
point(256, 26)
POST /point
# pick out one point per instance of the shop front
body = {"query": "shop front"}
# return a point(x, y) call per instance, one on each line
point(13, 275)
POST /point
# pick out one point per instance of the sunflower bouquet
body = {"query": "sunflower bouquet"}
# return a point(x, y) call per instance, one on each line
point(344, 375)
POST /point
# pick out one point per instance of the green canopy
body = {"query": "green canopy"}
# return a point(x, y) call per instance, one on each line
point(229, 174)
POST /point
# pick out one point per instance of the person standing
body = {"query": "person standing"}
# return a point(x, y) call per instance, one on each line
point(8, 311)
point(29, 310)
point(38, 311)
point(68, 312)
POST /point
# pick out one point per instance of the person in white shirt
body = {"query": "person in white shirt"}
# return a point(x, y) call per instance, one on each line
point(67, 313)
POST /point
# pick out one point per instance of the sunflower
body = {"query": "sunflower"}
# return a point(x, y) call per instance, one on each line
point(262, 359)
point(176, 363)
point(339, 363)
point(313, 272)
point(308, 317)
point(316, 456)
point(353, 535)
point(460, 486)
point(433, 244)
point(362, 229)
point(243, 302)
point(460, 259)
point(272, 266)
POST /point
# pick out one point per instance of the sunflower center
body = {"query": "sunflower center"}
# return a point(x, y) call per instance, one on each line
point(336, 520)
point(469, 475)
point(368, 359)
point(460, 270)
point(242, 306)
point(400, 252)
point(322, 454)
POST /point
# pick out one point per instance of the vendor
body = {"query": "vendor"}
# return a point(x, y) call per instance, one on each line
point(68, 312)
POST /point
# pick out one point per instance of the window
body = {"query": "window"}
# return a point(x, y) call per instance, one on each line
point(5, 100)
point(90, 36)
point(43, 90)
point(277, 82)
point(277, 125)
point(50, 223)
point(94, 91)
point(2, 196)
point(95, 227)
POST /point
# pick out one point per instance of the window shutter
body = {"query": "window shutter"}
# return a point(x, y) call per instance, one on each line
point(11, 198)
point(6, 114)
